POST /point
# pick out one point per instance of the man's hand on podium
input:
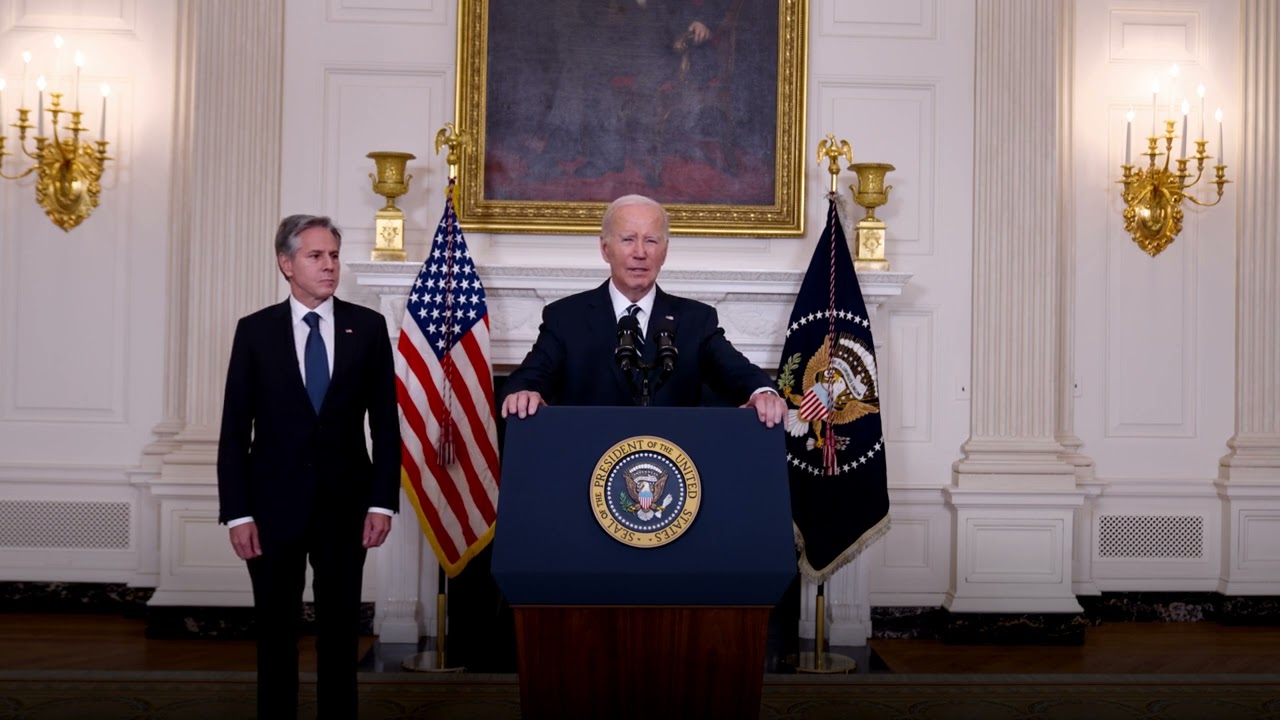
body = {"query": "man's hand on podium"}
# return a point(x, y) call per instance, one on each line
point(770, 407)
point(523, 403)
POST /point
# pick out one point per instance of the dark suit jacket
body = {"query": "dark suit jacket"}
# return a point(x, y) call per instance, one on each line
point(571, 362)
point(278, 460)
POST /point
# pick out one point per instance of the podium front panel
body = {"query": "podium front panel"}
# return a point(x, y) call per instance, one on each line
point(550, 549)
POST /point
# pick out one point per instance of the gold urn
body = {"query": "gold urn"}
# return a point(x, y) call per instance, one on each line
point(389, 181)
point(870, 192)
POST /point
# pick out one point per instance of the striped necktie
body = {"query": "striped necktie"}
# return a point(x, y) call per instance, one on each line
point(634, 311)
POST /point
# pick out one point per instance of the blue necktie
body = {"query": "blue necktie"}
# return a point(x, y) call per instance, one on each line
point(634, 311)
point(316, 361)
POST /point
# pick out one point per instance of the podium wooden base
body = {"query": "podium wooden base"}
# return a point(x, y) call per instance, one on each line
point(633, 662)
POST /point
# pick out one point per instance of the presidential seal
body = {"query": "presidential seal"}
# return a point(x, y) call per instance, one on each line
point(645, 491)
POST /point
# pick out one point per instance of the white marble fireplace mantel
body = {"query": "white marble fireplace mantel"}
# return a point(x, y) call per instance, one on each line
point(754, 306)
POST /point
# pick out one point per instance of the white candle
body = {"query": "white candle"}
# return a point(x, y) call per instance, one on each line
point(1155, 90)
point(1186, 108)
point(102, 128)
point(41, 84)
point(79, 64)
point(57, 66)
point(1200, 92)
point(1222, 147)
point(1174, 72)
point(2, 86)
point(26, 60)
point(1128, 134)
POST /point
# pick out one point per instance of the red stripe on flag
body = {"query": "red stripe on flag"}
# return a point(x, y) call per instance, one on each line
point(414, 475)
point(478, 413)
point(462, 453)
point(812, 408)
point(435, 405)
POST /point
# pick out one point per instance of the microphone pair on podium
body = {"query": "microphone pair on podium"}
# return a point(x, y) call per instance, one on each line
point(627, 354)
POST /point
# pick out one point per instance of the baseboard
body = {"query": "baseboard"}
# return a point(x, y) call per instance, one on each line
point(173, 621)
point(937, 623)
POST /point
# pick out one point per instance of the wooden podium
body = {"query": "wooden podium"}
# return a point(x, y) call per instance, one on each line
point(608, 630)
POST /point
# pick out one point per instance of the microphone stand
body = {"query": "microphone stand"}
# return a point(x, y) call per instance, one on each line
point(627, 356)
point(643, 400)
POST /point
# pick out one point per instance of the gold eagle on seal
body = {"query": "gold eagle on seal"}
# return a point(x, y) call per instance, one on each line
point(838, 386)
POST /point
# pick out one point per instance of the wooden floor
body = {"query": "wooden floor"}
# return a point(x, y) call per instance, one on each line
point(105, 642)
point(1110, 648)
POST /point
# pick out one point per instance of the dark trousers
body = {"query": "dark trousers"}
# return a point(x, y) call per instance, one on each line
point(279, 576)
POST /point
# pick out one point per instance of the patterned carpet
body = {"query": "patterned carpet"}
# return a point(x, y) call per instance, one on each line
point(101, 695)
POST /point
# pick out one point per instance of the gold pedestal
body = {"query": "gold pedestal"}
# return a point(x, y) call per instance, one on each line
point(869, 255)
point(388, 234)
point(870, 193)
point(390, 181)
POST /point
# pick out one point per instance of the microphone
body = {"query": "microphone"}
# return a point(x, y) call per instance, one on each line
point(667, 350)
point(626, 355)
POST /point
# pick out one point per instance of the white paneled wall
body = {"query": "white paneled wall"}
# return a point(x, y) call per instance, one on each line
point(82, 314)
point(79, 312)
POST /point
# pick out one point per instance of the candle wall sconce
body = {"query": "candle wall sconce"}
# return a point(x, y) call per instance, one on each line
point(68, 170)
point(1153, 195)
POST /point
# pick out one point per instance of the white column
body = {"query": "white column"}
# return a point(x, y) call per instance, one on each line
point(1249, 476)
point(1014, 494)
point(405, 559)
point(226, 208)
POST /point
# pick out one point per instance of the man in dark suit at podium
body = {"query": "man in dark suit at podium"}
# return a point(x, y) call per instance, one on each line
point(295, 481)
point(574, 359)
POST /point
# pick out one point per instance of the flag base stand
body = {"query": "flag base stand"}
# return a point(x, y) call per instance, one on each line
point(821, 662)
point(429, 662)
point(433, 661)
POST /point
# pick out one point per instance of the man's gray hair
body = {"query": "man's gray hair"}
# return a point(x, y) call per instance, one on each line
point(628, 201)
point(294, 225)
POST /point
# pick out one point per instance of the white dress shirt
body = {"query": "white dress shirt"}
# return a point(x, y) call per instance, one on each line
point(621, 303)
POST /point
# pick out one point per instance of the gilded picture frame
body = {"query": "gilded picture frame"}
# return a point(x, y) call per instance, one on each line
point(569, 103)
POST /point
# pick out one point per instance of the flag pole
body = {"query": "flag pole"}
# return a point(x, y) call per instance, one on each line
point(433, 661)
point(448, 136)
point(830, 151)
point(819, 661)
point(442, 621)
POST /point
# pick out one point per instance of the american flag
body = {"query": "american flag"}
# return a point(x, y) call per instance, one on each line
point(444, 384)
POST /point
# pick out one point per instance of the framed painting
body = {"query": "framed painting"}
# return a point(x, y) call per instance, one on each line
point(568, 104)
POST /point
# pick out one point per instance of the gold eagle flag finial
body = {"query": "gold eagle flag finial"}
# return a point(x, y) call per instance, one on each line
point(451, 136)
point(831, 150)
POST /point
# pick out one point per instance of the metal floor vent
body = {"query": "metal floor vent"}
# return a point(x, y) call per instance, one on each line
point(64, 524)
point(1150, 536)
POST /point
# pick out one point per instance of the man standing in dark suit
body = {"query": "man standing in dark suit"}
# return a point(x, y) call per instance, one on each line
point(572, 361)
point(295, 480)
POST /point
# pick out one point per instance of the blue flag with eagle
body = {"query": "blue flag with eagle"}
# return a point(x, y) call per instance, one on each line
point(835, 447)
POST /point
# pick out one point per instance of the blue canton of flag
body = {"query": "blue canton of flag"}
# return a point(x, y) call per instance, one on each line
point(447, 299)
point(835, 448)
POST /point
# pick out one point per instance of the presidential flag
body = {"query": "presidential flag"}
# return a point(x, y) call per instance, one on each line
point(444, 384)
point(835, 447)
